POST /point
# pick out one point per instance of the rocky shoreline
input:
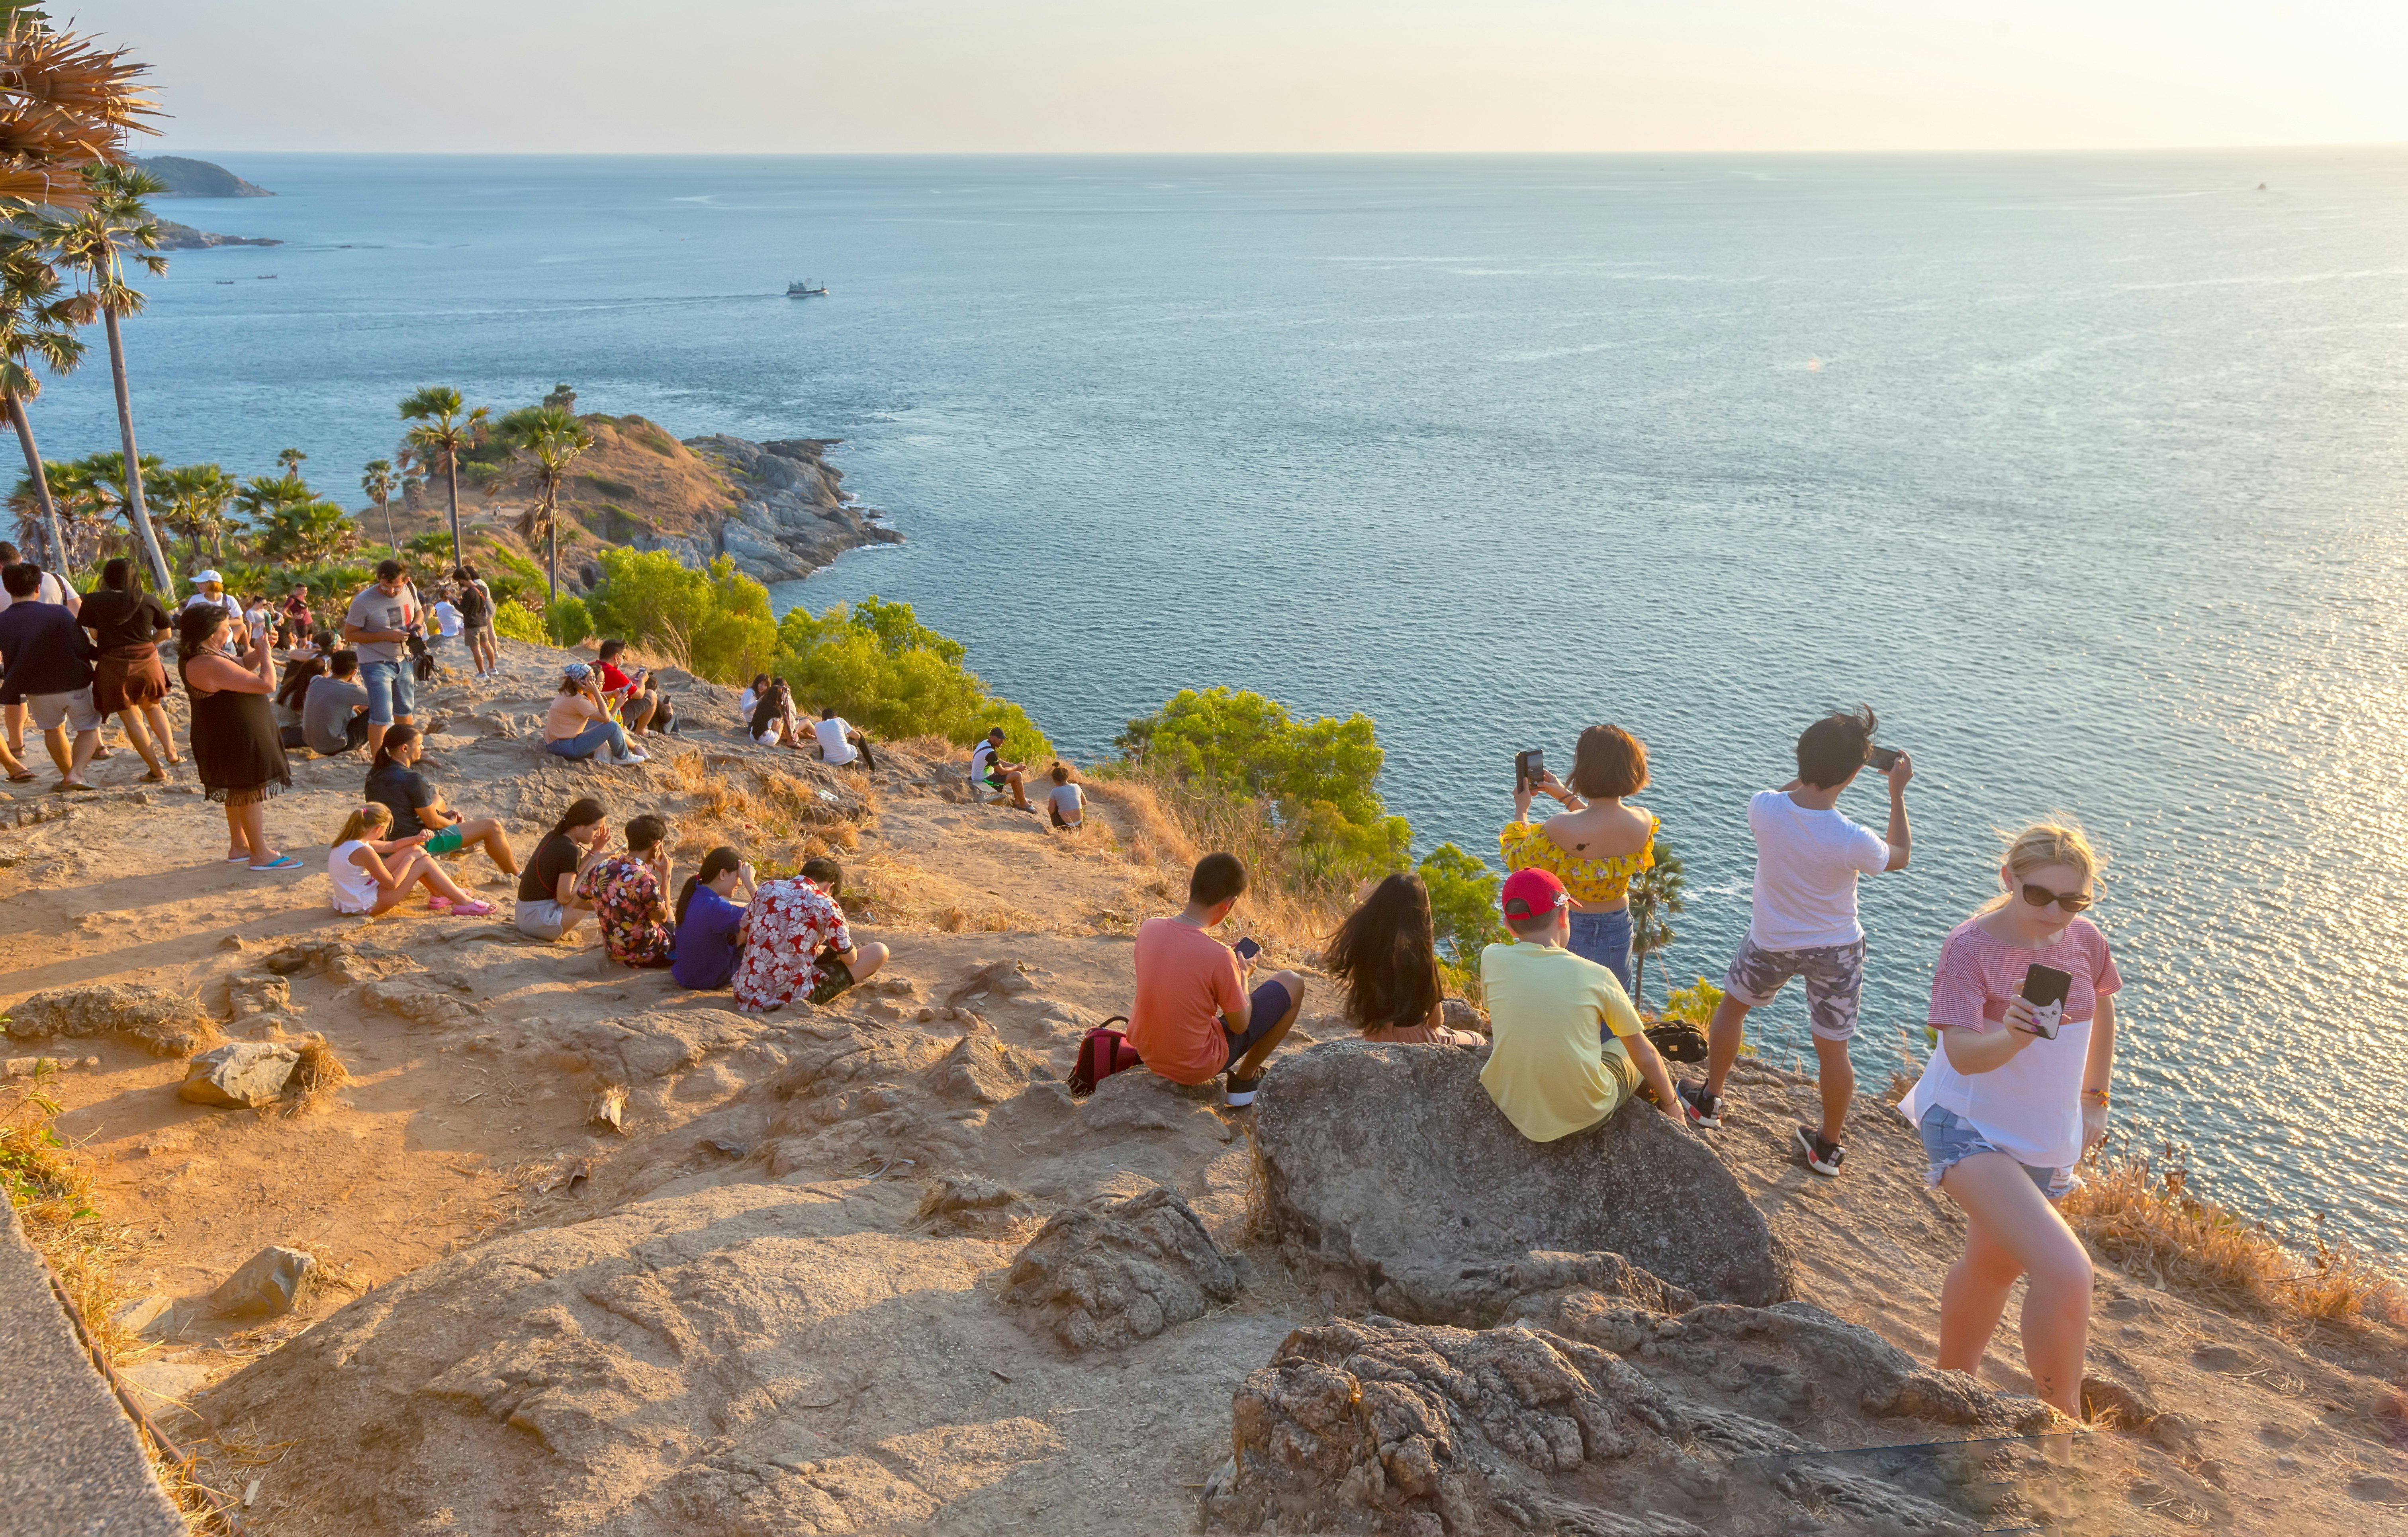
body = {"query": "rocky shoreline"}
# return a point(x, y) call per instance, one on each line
point(793, 516)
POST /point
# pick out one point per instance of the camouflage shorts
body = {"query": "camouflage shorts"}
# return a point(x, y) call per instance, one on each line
point(1835, 981)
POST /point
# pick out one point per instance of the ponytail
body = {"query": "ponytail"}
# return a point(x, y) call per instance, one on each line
point(364, 820)
point(715, 864)
point(395, 737)
point(581, 813)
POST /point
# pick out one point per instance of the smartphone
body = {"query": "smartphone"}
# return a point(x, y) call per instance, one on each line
point(1247, 948)
point(1528, 768)
point(2046, 988)
point(1883, 759)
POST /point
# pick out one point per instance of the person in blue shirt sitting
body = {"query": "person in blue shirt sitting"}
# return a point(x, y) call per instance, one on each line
point(710, 925)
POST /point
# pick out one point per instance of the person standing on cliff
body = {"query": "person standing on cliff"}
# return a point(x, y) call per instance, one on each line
point(1808, 857)
point(476, 602)
point(378, 624)
point(50, 589)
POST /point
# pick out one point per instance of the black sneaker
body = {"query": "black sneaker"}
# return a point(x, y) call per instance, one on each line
point(1823, 1155)
point(1704, 1110)
point(1240, 1091)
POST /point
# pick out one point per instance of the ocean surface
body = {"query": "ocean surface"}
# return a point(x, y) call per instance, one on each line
point(2086, 471)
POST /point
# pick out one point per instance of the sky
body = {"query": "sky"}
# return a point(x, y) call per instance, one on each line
point(1321, 76)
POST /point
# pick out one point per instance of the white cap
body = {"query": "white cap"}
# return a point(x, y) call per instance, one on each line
point(206, 577)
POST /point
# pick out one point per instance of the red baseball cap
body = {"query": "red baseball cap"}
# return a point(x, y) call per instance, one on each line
point(1531, 894)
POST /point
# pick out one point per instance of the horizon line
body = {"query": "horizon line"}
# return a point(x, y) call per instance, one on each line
point(2304, 146)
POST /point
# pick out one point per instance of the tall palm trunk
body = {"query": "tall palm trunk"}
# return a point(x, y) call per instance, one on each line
point(41, 484)
point(385, 506)
point(140, 513)
point(452, 493)
point(551, 545)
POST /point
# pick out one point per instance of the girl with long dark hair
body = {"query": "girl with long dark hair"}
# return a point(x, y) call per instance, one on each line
point(1384, 958)
point(548, 905)
point(710, 924)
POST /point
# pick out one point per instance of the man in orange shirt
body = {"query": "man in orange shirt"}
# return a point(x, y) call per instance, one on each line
point(1192, 1019)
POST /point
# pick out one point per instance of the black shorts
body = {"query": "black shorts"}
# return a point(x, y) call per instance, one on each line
point(1265, 1006)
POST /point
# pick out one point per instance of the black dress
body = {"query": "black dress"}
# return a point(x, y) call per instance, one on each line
point(236, 745)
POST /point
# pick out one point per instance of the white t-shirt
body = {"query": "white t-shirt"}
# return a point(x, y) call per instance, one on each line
point(355, 889)
point(834, 748)
point(1069, 800)
point(447, 618)
point(983, 759)
point(52, 591)
point(746, 703)
point(1806, 867)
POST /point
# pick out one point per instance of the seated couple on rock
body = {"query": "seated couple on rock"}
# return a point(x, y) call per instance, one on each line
point(1568, 1048)
point(1192, 1019)
point(787, 942)
point(772, 721)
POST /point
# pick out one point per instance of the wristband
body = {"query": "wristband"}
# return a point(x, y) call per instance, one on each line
point(2095, 1097)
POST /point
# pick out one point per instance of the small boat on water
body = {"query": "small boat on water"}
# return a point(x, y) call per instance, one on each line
point(801, 289)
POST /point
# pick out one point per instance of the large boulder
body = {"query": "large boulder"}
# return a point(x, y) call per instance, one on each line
point(242, 1076)
point(1390, 1169)
point(162, 1022)
point(1106, 1275)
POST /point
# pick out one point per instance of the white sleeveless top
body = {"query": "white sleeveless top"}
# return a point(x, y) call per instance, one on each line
point(355, 889)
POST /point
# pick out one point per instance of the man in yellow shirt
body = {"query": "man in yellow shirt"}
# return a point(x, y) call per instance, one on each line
point(1568, 1048)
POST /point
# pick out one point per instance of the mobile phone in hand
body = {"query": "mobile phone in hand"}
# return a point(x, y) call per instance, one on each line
point(1528, 768)
point(1247, 948)
point(1883, 760)
point(2046, 988)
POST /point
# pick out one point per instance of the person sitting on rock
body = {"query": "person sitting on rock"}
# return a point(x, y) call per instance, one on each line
point(394, 779)
point(1192, 1018)
point(1385, 958)
point(638, 703)
point(710, 925)
point(751, 696)
point(578, 725)
point(1568, 1048)
point(841, 744)
point(797, 945)
point(1065, 804)
point(548, 905)
point(987, 768)
point(367, 885)
point(334, 707)
point(626, 893)
point(774, 722)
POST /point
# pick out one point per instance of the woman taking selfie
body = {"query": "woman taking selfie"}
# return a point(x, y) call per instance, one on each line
point(1595, 846)
point(1384, 958)
point(2014, 1098)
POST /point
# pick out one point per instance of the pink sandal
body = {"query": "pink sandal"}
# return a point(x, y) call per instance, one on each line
point(438, 905)
point(470, 910)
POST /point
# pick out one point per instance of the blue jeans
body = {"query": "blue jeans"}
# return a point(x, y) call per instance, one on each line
point(393, 692)
point(585, 744)
point(1605, 938)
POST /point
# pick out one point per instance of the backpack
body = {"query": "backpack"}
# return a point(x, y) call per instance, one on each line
point(1102, 1051)
point(1677, 1041)
point(476, 612)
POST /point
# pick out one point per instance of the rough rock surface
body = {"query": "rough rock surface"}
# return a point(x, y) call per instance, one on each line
point(242, 1076)
point(1103, 1276)
point(1381, 1426)
point(792, 519)
point(162, 1022)
point(274, 1281)
point(1390, 1169)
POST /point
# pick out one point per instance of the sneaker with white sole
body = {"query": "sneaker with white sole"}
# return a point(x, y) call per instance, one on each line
point(1823, 1155)
point(1240, 1092)
point(635, 755)
point(1703, 1108)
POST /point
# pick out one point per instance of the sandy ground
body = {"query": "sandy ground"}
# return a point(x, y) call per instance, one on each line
point(477, 1056)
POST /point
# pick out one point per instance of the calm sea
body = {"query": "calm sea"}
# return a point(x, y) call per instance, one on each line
point(2086, 471)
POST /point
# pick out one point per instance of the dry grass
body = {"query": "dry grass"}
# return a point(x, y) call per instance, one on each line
point(1172, 823)
point(316, 1077)
point(2140, 1210)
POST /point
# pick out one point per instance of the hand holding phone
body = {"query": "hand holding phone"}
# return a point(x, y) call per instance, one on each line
point(1247, 949)
point(1882, 759)
point(2046, 988)
point(1529, 768)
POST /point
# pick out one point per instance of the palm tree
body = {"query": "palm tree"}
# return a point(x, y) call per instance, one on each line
point(65, 105)
point(306, 533)
point(95, 243)
point(37, 325)
point(381, 482)
point(291, 459)
point(446, 426)
point(1657, 894)
point(552, 437)
point(197, 498)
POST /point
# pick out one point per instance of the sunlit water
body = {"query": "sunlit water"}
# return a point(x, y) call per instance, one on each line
point(2086, 471)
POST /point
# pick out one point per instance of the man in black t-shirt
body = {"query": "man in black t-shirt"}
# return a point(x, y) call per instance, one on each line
point(475, 602)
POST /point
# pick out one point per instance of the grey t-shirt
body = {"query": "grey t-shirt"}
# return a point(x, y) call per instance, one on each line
point(1068, 800)
point(325, 707)
point(373, 610)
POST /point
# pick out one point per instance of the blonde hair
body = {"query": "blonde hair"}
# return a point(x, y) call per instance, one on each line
point(2059, 840)
point(374, 814)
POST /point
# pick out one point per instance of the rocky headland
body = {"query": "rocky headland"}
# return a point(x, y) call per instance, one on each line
point(188, 177)
point(175, 236)
point(791, 516)
point(555, 1245)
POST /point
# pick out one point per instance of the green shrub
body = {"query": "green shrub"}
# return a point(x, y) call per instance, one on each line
point(893, 676)
point(715, 624)
point(1695, 1004)
point(1463, 903)
point(518, 623)
point(1318, 778)
point(567, 621)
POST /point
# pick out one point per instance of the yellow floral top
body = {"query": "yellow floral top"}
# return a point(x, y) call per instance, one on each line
point(1589, 882)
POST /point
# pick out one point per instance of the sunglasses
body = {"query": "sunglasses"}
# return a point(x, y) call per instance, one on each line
point(2067, 901)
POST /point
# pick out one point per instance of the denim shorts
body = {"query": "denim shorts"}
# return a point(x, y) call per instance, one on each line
point(1605, 938)
point(1949, 1140)
point(393, 692)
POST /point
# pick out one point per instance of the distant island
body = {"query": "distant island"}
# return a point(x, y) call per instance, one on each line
point(199, 178)
point(175, 236)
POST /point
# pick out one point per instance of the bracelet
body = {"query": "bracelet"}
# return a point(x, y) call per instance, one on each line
point(2095, 1097)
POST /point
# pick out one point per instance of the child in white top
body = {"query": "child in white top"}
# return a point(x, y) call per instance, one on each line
point(366, 886)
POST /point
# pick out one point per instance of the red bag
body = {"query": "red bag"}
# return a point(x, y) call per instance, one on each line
point(1102, 1051)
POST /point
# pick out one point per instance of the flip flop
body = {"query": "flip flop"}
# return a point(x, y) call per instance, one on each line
point(64, 788)
point(156, 777)
point(26, 778)
point(237, 859)
point(282, 861)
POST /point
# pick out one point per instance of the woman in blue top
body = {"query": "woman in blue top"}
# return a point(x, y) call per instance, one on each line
point(709, 926)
